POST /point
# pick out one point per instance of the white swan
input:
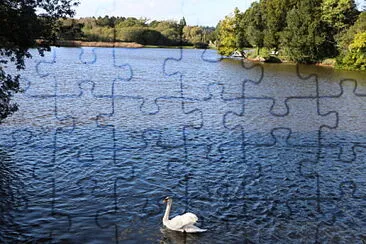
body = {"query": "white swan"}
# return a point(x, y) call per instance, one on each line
point(182, 223)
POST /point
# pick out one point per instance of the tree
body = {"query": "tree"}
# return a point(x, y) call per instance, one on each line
point(193, 34)
point(226, 35)
point(239, 29)
point(209, 34)
point(170, 30)
point(274, 12)
point(347, 37)
point(20, 27)
point(305, 38)
point(70, 29)
point(355, 58)
point(182, 24)
point(255, 25)
point(339, 14)
point(132, 22)
point(353, 46)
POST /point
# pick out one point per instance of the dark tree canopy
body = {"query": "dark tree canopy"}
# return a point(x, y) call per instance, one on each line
point(21, 26)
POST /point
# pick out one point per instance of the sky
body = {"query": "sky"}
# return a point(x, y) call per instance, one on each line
point(196, 12)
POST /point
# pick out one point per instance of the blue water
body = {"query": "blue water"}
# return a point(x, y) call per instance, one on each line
point(261, 153)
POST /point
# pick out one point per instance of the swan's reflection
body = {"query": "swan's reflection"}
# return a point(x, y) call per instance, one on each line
point(176, 237)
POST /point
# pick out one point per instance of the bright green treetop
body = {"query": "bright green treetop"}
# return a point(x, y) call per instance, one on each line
point(226, 35)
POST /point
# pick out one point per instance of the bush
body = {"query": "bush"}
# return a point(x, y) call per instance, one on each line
point(142, 35)
point(200, 45)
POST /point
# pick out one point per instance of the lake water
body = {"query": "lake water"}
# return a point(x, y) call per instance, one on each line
point(261, 153)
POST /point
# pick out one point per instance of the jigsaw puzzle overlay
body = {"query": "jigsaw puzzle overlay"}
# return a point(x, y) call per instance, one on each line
point(261, 152)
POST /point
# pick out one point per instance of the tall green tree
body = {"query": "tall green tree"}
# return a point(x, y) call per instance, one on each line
point(239, 29)
point(193, 34)
point(170, 30)
point(20, 27)
point(70, 29)
point(305, 38)
point(274, 12)
point(182, 24)
point(347, 37)
point(352, 46)
point(255, 22)
point(339, 14)
point(226, 36)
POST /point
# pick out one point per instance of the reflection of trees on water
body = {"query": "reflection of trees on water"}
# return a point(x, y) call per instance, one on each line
point(6, 195)
point(11, 197)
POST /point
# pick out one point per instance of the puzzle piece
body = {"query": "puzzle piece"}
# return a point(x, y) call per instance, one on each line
point(110, 65)
point(40, 147)
point(213, 134)
point(351, 127)
point(272, 87)
point(99, 139)
point(171, 164)
point(70, 71)
point(257, 121)
point(68, 106)
point(333, 171)
point(126, 115)
point(36, 84)
point(195, 81)
point(11, 137)
point(42, 117)
point(149, 83)
point(347, 213)
point(277, 174)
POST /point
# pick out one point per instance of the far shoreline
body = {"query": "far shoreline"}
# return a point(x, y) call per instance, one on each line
point(329, 63)
point(74, 43)
point(118, 44)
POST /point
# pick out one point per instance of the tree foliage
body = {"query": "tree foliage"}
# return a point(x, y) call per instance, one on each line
point(255, 25)
point(20, 28)
point(353, 46)
point(339, 14)
point(130, 29)
point(305, 38)
point(226, 35)
point(70, 29)
point(274, 13)
point(305, 31)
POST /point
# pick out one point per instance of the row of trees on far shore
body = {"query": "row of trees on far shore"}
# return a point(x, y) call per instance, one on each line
point(140, 30)
point(306, 31)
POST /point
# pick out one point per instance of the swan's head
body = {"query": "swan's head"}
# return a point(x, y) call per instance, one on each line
point(167, 199)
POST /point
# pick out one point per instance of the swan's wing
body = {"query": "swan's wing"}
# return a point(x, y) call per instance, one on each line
point(193, 229)
point(180, 221)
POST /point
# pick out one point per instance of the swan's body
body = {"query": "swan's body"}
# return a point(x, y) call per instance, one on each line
point(182, 223)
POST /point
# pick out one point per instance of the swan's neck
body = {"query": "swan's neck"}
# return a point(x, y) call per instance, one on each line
point(167, 211)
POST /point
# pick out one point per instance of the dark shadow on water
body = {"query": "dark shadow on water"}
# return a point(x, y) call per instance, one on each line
point(8, 196)
point(176, 237)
